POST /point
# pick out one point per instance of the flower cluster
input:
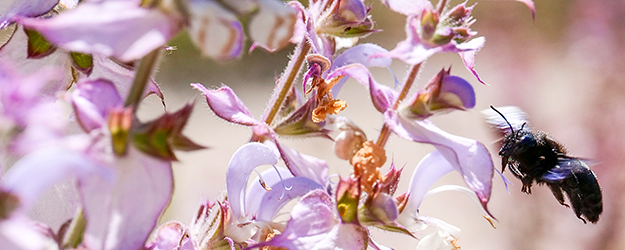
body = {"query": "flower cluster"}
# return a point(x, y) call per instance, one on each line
point(97, 58)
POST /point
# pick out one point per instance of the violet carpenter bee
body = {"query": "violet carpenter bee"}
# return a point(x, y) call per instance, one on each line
point(533, 156)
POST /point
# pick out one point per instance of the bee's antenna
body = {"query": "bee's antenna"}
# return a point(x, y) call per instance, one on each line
point(504, 118)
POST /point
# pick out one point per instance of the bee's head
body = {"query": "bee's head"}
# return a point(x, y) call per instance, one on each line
point(525, 142)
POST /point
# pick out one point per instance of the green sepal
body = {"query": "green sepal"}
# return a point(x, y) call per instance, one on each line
point(161, 136)
point(38, 46)
point(82, 62)
point(347, 198)
point(300, 123)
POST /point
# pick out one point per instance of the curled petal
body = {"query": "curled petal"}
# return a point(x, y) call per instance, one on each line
point(122, 213)
point(216, 31)
point(256, 190)
point(92, 100)
point(273, 26)
point(382, 96)
point(272, 201)
point(469, 157)
point(121, 29)
point(242, 163)
point(227, 105)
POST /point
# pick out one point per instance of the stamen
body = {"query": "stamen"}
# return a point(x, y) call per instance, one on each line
point(490, 220)
point(284, 188)
point(262, 182)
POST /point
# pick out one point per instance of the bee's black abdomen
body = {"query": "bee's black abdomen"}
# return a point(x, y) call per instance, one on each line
point(584, 192)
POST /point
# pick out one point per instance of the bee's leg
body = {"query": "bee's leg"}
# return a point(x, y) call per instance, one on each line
point(557, 192)
point(527, 184)
point(515, 171)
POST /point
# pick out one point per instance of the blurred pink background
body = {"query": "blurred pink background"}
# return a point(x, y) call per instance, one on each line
point(565, 69)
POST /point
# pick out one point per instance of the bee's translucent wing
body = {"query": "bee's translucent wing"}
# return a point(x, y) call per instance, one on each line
point(566, 166)
point(515, 116)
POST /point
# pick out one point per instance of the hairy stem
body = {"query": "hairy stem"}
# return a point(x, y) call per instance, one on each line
point(142, 76)
point(287, 79)
point(412, 75)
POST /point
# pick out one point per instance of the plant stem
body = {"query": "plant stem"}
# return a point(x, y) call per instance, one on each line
point(287, 79)
point(441, 6)
point(412, 75)
point(142, 76)
point(73, 237)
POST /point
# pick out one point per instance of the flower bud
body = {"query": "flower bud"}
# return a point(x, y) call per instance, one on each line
point(429, 21)
point(119, 122)
point(346, 18)
point(444, 93)
point(453, 25)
